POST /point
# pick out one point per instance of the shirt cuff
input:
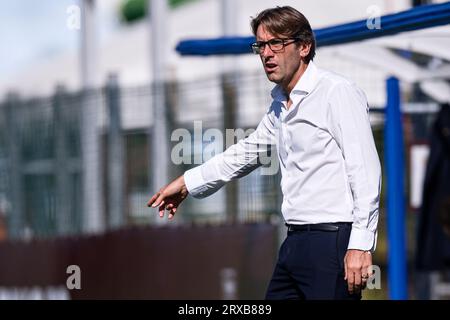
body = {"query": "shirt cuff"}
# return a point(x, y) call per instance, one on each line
point(361, 239)
point(195, 183)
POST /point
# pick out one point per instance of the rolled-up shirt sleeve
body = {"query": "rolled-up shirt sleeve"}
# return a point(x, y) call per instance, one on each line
point(352, 131)
point(237, 161)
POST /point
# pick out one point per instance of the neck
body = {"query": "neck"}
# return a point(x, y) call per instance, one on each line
point(288, 87)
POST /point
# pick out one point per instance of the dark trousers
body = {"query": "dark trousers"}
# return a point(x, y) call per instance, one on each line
point(311, 266)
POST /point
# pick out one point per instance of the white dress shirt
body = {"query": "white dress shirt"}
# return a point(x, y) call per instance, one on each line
point(329, 164)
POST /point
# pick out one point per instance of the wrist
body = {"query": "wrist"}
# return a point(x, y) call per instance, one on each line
point(183, 186)
point(360, 251)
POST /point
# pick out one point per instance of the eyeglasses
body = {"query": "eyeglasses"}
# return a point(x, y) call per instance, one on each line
point(276, 45)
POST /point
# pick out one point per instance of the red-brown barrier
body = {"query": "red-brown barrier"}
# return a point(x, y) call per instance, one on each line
point(208, 262)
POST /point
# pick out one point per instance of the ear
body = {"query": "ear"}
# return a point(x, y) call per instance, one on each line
point(304, 49)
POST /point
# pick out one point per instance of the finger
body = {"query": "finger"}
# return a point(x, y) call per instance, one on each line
point(356, 289)
point(152, 199)
point(158, 201)
point(358, 281)
point(345, 269)
point(364, 283)
point(351, 282)
point(367, 272)
point(172, 213)
point(161, 209)
point(365, 278)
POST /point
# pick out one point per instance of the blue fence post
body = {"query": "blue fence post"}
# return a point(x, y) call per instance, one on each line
point(397, 260)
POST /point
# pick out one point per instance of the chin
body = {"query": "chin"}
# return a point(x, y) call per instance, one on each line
point(273, 78)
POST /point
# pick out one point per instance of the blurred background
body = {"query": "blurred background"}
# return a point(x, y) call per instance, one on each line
point(91, 92)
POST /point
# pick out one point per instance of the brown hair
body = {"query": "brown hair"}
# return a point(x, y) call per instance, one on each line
point(287, 21)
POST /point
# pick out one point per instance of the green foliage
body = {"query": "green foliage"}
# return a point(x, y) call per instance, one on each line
point(134, 10)
point(177, 3)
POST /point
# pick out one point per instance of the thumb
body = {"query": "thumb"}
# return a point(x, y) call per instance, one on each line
point(345, 267)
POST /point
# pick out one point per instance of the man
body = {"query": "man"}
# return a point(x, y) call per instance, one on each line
point(330, 168)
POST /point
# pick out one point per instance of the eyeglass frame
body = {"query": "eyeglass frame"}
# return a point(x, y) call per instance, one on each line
point(256, 46)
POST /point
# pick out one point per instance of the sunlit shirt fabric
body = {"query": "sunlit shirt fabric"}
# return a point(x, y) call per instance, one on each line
point(329, 163)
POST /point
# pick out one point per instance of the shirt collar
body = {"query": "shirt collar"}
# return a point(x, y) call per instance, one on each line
point(304, 86)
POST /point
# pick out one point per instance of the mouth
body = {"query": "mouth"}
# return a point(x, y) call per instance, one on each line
point(270, 67)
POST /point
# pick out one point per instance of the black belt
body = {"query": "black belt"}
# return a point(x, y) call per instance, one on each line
point(317, 227)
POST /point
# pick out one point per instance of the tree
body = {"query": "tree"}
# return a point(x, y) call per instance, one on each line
point(135, 10)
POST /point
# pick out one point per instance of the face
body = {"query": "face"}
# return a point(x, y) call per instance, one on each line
point(285, 67)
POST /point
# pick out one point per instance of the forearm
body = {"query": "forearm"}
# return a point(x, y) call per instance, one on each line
point(365, 183)
point(237, 161)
